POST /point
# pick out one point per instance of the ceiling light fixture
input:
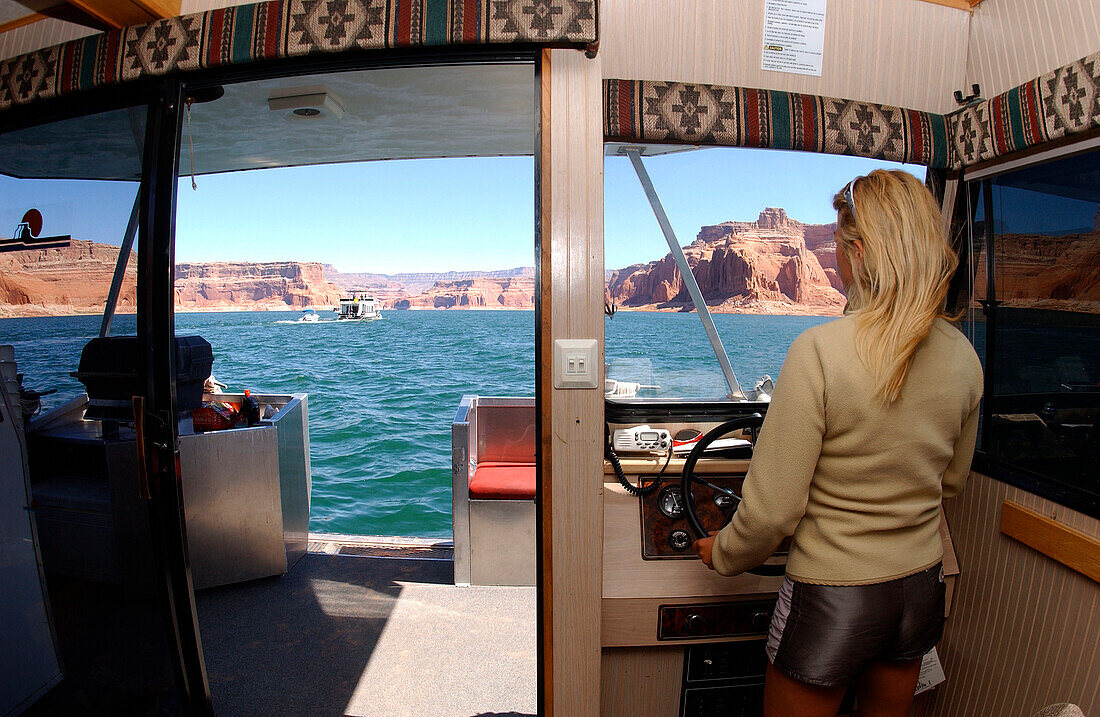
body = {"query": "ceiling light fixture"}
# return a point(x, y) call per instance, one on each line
point(306, 105)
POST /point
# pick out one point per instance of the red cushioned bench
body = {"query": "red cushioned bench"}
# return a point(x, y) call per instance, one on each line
point(493, 490)
point(503, 481)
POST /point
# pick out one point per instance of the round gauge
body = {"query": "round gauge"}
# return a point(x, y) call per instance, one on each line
point(679, 540)
point(671, 502)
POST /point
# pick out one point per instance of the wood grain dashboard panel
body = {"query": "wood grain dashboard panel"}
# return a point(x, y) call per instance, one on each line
point(715, 619)
point(658, 527)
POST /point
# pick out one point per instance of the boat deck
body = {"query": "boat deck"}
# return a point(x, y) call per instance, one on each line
point(360, 626)
point(366, 626)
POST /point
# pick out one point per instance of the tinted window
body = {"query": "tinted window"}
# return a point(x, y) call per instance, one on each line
point(1045, 328)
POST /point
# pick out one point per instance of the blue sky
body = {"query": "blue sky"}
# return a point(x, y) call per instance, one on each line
point(710, 186)
point(449, 214)
point(384, 217)
point(96, 211)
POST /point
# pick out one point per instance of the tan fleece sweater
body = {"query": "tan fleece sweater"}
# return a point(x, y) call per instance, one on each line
point(857, 485)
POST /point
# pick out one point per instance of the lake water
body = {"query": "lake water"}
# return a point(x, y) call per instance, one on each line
point(382, 394)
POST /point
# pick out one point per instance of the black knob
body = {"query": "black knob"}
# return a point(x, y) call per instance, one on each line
point(679, 540)
point(761, 621)
point(694, 623)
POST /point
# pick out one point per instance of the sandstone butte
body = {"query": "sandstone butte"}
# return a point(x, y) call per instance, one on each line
point(774, 265)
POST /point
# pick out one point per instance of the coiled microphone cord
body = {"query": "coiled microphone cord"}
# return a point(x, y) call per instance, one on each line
point(639, 490)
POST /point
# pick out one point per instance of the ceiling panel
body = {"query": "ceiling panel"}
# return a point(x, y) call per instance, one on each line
point(469, 110)
point(403, 113)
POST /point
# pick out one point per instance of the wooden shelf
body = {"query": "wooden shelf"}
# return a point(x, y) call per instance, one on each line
point(1069, 547)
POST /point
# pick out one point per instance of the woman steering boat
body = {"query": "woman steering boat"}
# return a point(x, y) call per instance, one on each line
point(873, 422)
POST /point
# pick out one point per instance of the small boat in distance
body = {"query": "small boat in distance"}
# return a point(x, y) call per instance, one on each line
point(359, 307)
point(309, 316)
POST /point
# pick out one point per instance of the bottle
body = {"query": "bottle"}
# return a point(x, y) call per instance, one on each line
point(250, 407)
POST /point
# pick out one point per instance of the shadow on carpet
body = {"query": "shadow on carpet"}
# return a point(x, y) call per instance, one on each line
point(298, 644)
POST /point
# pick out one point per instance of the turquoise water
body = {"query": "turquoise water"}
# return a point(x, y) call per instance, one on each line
point(382, 394)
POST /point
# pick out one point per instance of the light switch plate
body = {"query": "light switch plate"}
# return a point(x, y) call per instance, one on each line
point(575, 363)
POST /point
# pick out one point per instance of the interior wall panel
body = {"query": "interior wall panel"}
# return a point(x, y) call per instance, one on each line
point(626, 669)
point(1024, 630)
point(1013, 41)
point(189, 6)
point(896, 52)
point(36, 35)
point(49, 32)
point(572, 291)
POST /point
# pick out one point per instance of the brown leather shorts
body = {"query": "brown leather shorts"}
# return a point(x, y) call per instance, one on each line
point(829, 634)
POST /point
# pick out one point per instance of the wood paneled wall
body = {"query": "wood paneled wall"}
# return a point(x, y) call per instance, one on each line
point(897, 52)
point(36, 35)
point(1024, 630)
point(572, 420)
point(641, 681)
point(49, 32)
point(1013, 41)
point(189, 6)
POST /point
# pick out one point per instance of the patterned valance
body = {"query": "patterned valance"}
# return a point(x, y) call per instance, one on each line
point(288, 28)
point(1060, 103)
point(671, 112)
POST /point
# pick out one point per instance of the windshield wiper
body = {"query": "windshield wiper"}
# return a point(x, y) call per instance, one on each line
point(635, 155)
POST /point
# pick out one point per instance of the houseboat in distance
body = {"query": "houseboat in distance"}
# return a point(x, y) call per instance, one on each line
point(154, 567)
point(358, 307)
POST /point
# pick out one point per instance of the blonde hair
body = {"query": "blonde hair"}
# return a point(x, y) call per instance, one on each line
point(900, 284)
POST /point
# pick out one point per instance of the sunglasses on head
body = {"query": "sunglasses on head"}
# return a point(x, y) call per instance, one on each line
point(850, 200)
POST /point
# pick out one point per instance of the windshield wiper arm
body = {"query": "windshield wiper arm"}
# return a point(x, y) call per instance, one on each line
point(635, 155)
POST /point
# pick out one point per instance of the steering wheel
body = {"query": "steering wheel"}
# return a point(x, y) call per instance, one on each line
point(688, 477)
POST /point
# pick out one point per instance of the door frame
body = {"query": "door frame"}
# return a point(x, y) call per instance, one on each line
point(157, 265)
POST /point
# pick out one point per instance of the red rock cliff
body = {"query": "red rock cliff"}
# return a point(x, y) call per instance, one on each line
point(1045, 272)
point(247, 285)
point(76, 280)
point(482, 293)
point(71, 280)
point(763, 266)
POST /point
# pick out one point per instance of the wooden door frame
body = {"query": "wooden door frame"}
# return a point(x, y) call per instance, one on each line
point(569, 296)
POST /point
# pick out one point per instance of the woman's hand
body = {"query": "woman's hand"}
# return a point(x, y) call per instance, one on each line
point(703, 548)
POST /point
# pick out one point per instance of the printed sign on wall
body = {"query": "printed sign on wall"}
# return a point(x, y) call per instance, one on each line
point(794, 36)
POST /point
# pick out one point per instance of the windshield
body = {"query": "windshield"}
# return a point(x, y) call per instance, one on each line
point(756, 229)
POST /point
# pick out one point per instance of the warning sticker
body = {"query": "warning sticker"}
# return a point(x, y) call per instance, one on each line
point(794, 36)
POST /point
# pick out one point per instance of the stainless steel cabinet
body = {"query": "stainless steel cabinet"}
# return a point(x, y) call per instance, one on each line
point(28, 655)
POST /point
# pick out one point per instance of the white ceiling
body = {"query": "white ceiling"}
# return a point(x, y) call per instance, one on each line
point(404, 113)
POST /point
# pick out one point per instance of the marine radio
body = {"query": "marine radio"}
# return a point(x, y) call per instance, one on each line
point(641, 439)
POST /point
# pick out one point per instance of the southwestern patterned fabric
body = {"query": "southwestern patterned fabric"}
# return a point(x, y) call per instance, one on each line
point(288, 28)
point(742, 117)
point(1059, 103)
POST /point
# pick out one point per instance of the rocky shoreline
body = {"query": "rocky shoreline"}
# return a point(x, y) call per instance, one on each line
point(774, 265)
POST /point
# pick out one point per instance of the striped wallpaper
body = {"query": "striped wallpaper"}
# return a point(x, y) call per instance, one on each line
point(1024, 630)
point(1012, 41)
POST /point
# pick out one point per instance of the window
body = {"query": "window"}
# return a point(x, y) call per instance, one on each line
point(414, 198)
point(1040, 338)
point(68, 217)
point(67, 195)
point(756, 227)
